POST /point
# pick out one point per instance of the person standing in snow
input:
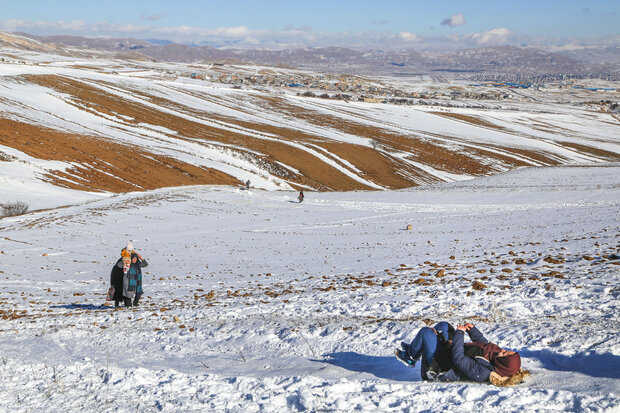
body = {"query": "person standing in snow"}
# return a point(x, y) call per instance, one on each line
point(432, 345)
point(301, 196)
point(132, 279)
point(116, 281)
point(126, 277)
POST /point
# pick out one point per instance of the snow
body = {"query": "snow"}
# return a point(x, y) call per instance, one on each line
point(532, 126)
point(309, 300)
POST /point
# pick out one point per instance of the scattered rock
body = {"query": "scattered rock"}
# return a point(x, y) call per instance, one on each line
point(409, 227)
point(552, 260)
point(440, 273)
point(477, 285)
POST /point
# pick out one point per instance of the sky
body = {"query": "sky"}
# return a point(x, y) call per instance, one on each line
point(320, 22)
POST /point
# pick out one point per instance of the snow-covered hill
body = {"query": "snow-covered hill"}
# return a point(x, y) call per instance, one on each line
point(97, 124)
point(257, 303)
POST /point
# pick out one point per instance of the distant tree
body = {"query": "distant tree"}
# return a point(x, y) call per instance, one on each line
point(14, 209)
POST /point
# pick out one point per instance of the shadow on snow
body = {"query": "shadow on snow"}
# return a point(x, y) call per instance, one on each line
point(76, 306)
point(594, 365)
point(379, 366)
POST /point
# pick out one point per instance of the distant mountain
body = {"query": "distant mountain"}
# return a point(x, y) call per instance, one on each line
point(509, 59)
point(609, 55)
point(115, 44)
point(496, 60)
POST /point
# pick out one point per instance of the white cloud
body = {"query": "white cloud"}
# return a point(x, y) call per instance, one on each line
point(409, 37)
point(289, 37)
point(495, 36)
point(454, 20)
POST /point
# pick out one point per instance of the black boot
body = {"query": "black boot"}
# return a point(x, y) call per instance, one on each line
point(127, 302)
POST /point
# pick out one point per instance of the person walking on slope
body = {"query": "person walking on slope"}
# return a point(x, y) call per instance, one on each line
point(301, 196)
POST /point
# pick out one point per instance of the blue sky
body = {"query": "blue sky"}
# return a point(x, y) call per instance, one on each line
point(318, 21)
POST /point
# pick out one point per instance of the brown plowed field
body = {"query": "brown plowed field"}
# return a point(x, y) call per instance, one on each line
point(101, 163)
point(104, 165)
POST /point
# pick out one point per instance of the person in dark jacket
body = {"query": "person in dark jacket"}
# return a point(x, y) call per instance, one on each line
point(432, 345)
point(116, 281)
point(481, 360)
point(126, 278)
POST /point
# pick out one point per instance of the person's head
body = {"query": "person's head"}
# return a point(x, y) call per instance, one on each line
point(507, 362)
point(134, 258)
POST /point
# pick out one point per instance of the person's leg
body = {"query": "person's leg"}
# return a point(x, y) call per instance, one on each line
point(136, 299)
point(127, 301)
point(423, 344)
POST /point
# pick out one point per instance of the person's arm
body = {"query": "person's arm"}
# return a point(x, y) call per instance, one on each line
point(475, 334)
point(467, 365)
point(142, 262)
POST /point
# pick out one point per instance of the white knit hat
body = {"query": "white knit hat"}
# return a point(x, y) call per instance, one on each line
point(129, 246)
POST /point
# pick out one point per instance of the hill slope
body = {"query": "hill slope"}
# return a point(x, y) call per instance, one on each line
point(253, 302)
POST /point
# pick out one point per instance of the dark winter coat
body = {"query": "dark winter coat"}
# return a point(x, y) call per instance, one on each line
point(132, 281)
point(116, 281)
point(475, 368)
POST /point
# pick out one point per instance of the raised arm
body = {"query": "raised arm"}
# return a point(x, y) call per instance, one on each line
point(475, 334)
point(468, 366)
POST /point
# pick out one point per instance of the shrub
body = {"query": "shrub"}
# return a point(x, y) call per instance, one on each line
point(5, 157)
point(14, 209)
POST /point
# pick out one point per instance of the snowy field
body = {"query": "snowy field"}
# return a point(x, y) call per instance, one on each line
point(254, 302)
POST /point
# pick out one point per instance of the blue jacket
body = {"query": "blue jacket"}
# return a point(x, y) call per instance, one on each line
point(477, 368)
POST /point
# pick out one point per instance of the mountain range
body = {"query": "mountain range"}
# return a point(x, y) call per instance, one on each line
point(494, 60)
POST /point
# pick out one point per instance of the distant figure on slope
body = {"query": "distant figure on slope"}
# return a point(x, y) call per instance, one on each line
point(433, 346)
point(247, 184)
point(301, 196)
point(126, 277)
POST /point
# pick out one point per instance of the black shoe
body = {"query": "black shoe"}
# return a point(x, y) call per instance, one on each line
point(404, 358)
point(406, 348)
